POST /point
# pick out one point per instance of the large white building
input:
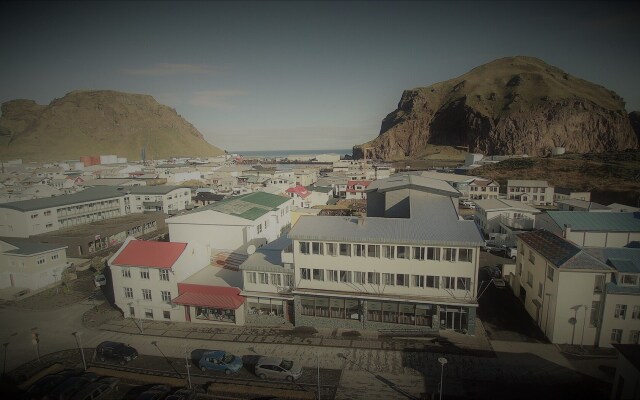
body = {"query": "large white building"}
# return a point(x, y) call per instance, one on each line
point(32, 217)
point(504, 217)
point(530, 191)
point(411, 263)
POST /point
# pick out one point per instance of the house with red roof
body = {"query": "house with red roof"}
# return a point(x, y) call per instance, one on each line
point(146, 275)
point(300, 196)
point(356, 189)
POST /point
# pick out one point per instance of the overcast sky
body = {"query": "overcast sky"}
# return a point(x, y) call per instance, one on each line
point(301, 75)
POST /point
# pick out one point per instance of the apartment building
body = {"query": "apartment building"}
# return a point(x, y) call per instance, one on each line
point(411, 263)
point(530, 191)
point(482, 189)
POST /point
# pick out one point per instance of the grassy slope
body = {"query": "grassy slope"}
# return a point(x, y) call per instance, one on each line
point(611, 177)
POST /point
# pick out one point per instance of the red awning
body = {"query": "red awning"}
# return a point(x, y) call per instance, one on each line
point(209, 296)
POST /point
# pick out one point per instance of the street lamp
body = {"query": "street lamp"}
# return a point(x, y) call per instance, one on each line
point(443, 362)
point(79, 343)
point(4, 363)
point(584, 321)
point(318, 364)
point(187, 365)
point(35, 339)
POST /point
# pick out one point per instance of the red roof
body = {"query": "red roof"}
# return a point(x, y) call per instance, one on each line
point(300, 191)
point(359, 183)
point(141, 253)
point(228, 298)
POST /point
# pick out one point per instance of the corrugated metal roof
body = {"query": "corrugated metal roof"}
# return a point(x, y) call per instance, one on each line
point(560, 252)
point(597, 221)
point(84, 196)
point(612, 287)
point(503, 204)
point(527, 183)
point(26, 247)
point(623, 265)
point(140, 253)
point(416, 182)
point(209, 296)
point(619, 257)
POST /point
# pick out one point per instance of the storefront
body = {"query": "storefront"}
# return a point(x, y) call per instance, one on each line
point(211, 304)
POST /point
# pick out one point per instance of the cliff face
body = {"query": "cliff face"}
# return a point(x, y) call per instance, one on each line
point(515, 105)
point(97, 122)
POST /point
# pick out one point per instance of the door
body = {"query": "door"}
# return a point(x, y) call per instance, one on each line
point(132, 311)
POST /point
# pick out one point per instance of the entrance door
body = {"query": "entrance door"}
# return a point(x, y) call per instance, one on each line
point(453, 318)
point(132, 311)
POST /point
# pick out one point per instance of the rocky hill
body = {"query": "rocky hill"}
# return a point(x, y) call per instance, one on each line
point(514, 105)
point(97, 122)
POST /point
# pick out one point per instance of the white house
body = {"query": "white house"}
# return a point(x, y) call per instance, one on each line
point(356, 190)
point(29, 265)
point(411, 263)
point(504, 217)
point(610, 229)
point(145, 277)
point(530, 191)
point(563, 193)
point(481, 189)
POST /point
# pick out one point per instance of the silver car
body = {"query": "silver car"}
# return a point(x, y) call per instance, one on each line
point(278, 368)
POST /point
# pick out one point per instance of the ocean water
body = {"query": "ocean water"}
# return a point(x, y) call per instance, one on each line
point(287, 153)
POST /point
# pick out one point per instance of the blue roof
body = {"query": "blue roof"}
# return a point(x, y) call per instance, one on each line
point(623, 259)
point(612, 287)
point(597, 221)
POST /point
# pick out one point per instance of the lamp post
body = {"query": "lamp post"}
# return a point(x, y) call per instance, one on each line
point(187, 365)
point(318, 365)
point(584, 321)
point(443, 362)
point(35, 339)
point(79, 343)
point(4, 362)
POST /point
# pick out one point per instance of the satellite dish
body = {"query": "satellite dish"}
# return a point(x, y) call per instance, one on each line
point(251, 249)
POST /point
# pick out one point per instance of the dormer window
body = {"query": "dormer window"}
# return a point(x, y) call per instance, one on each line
point(629, 280)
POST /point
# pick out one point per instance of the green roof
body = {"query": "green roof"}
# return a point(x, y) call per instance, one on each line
point(265, 199)
point(249, 206)
point(597, 221)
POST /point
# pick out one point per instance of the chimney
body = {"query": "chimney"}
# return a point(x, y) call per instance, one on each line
point(361, 220)
point(566, 230)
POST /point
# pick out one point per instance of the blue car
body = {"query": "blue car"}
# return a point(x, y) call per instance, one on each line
point(219, 360)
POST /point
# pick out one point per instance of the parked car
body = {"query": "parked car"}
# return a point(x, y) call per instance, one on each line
point(183, 394)
point(219, 360)
point(157, 392)
point(123, 353)
point(278, 368)
point(499, 283)
point(491, 271)
point(98, 389)
point(100, 280)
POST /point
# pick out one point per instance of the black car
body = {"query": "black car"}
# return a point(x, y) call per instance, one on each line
point(123, 353)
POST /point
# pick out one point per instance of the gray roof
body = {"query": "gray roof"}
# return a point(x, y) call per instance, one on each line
point(599, 222)
point(623, 259)
point(87, 195)
point(416, 182)
point(268, 258)
point(161, 189)
point(26, 247)
point(589, 205)
point(504, 204)
point(527, 183)
point(612, 287)
point(387, 230)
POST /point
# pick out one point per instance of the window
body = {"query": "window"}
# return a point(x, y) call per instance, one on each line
point(449, 254)
point(144, 274)
point(465, 255)
point(532, 258)
point(166, 296)
point(318, 274)
point(259, 228)
point(634, 336)
point(620, 311)
point(331, 249)
point(595, 310)
point(359, 277)
point(304, 247)
point(126, 273)
point(616, 335)
point(128, 293)
point(47, 213)
point(432, 282)
point(360, 250)
point(54, 257)
point(402, 280)
point(530, 279)
point(388, 251)
point(316, 248)
point(448, 282)
point(332, 275)
point(388, 279)
point(550, 272)
point(402, 252)
point(263, 278)
point(345, 276)
point(519, 266)
point(598, 284)
point(345, 249)
point(305, 274)
point(636, 312)
point(540, 290)
point(417, 253)
point(276, 279)
point(627, 279)
point(418, 281)
point(251, 277)
point(463, 283)
point(373, 250)
point(148, 313)
point(164, 275)
point(166, 314)
point(146, 294)
point(373, 278)
point(433, 253)
point(40, 261)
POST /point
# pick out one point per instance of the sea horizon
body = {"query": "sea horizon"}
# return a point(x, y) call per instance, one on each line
point(287, 153)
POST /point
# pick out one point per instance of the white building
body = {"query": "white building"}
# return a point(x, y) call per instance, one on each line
point(29, 265)
point(482, 189)
point(504, 217)
point(356, 190)
point(530, 191)
point(581, 205)
point(411, 263)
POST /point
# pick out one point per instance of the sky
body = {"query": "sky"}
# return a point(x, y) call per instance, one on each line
point(301, 74)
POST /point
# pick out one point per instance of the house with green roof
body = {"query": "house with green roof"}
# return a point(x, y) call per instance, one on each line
point(233, 222)
point(592, 229)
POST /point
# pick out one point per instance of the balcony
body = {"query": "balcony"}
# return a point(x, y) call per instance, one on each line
point(517, 223)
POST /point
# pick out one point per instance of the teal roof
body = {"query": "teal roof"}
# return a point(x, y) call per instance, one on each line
point(623, 259)
point(597, 221)
point(249, 206)
point(612, 287)
point(264, 199)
